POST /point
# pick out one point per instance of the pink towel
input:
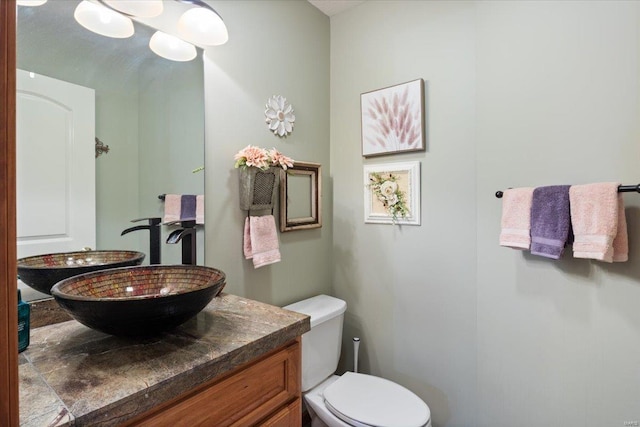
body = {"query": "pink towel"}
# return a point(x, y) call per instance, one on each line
point(598, 220)
point(246, 243)
point(516, 218)
point(621, 241)
point(172, 204)
point(261, 240)
point(200, 209)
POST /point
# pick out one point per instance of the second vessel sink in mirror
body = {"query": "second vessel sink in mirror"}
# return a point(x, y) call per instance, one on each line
point(141, 300)
point(41, 272)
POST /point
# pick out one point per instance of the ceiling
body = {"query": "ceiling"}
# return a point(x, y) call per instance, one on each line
point(333, 7)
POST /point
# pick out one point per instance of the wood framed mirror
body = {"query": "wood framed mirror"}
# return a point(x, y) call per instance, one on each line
point(301, 197)
point(8, 295)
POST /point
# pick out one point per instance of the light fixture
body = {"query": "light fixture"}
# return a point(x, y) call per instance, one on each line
point(203, 25)
point(31, 2)
point(200, 25)
point(171, 47)
point(139, 8)
point(102, 20)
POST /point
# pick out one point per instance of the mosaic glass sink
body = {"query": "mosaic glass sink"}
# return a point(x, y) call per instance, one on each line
point(141, 300)
point(41, 272)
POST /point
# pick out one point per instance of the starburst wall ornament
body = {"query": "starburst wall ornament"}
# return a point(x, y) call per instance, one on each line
point(279, 115)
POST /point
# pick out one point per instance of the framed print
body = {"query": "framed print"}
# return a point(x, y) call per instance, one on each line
point(393, 119)
point(392, 193)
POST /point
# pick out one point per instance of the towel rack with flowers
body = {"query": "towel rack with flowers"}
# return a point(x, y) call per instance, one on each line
point(621, 189)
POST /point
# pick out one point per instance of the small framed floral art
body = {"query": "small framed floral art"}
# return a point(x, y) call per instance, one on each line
point(393, 119)
point(392, 193)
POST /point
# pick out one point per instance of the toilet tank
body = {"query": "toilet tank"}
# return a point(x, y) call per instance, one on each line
point(321, 345)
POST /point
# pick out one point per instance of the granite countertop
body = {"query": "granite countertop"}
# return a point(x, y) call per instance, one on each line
point(71, 375)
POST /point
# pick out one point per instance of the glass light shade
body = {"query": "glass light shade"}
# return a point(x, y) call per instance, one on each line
point(103, 21)
point(203, 26)
point(171, 47)
point(140, 8)
point(30, 2)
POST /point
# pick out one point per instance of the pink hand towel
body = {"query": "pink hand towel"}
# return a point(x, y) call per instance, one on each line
point(621, 241)
point(597, 219)
point(200, 209)
point(516, 218)
point(264, 240)
point(172, 207)
point(246, 243)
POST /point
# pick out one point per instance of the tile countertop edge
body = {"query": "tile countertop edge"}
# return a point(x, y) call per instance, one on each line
point(279, 326)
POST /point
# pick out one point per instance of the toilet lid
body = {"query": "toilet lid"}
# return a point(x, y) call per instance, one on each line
point(360, 399)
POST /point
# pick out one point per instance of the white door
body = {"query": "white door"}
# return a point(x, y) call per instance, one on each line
point(55, 166)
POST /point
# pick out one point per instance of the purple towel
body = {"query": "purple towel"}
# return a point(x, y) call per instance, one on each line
point(550, 220)
point(187, 207)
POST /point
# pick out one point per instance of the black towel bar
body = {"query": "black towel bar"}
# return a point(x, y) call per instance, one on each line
point(162, 197)
point(621, 189)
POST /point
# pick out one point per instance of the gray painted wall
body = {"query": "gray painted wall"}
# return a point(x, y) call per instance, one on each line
point(518, 94)
point(557, 102)
point(274, 48)
point(410, 290)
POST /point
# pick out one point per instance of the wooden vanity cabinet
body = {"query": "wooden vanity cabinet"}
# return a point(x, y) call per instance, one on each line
point(263, 392)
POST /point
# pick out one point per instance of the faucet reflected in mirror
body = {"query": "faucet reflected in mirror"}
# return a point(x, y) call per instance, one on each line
point(154, 237)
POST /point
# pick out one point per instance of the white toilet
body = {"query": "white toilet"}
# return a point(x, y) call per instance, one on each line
point(351, 399)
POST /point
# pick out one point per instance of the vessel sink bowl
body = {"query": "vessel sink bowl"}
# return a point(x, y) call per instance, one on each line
point(41, 272)
point(140, 300)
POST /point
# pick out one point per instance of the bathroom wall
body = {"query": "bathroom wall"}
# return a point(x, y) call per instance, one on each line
point(274, 48)
point(557, 102)
point(518, 94)
point(410, 290)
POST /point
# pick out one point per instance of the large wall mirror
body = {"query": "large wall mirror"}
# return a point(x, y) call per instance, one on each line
point(148, 110)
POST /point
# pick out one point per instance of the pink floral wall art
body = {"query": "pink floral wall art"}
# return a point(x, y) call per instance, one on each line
point(393, 119)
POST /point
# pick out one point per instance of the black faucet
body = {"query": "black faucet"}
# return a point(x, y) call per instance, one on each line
point(154, 237)
point(188, 236)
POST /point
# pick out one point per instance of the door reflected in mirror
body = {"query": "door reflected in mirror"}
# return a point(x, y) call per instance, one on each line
point(301, 197)
point(148, 110)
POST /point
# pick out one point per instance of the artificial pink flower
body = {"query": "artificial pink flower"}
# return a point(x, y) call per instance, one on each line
point(253, 156)
point(279, 159)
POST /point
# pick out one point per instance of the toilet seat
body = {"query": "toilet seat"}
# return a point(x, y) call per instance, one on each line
point(368, 401)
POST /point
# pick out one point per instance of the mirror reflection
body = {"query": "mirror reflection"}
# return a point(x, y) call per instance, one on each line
point(148, 110)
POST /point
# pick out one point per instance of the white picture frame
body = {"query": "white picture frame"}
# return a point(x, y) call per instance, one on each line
point(380, 193)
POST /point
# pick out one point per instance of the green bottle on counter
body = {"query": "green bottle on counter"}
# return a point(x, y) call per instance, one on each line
point(24, 316)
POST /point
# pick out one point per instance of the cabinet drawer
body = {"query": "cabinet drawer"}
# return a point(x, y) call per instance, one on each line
point(240, 399)
point(289, 416)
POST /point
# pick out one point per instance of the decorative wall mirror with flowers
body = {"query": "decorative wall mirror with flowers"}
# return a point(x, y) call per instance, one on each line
point(301, 197)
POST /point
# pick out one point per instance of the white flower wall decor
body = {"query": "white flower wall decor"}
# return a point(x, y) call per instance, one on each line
point(279, 115)
point(392, 193)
